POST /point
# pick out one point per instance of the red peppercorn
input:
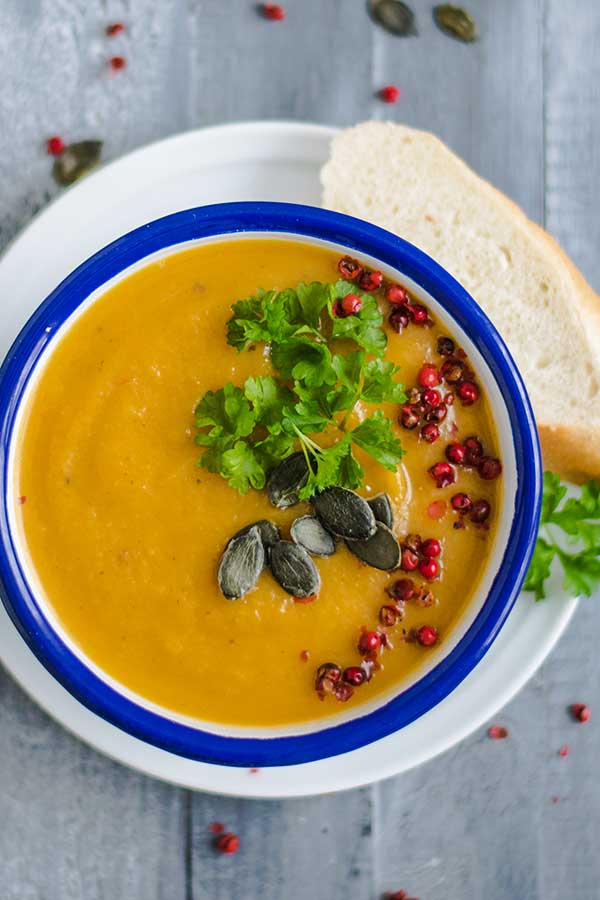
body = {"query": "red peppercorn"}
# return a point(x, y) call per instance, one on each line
point(437, 413)
point(273, 11)
point(304, 655)
point(480, 511)
point(427, 635)
point(409, 417)
point(564, 750)
point(431, 547)
point(349, 268)
point(390, 93)
point(432, 398)
point(343, 692)
point(402, 590)
point(462, 503)
point(581, 712)
point(497, 732)
point(452, 371)
point(428, 376)
point(396, 294)
point(473, 451)
point(116, 63)
point(449, 399)
point(217, 827)
point(429, 569)
point(399, 319)
point(354, 675)
point(370, 281)
point(228, 843)
point(388, 615)
point(445, 346)
point(443, 474)
point(115, 29)
point(55, 145)
point(419, 314)
point(455, 453)
point(369, 642)
point(489, 468)
point(408, 560)
point(351, 304)
point(430, 432)
point(468, 393)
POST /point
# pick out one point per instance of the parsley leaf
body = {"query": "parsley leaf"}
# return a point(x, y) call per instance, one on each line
point(579, 519)
point(242, 468)
point(375, 435)
point(379, 385)
point(364, 328)
point(539, 568)
point(226, 413)
point(335, 465)
point(305, 361)
point(268, 399)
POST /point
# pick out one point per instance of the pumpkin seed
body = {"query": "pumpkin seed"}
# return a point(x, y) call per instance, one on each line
point(308, 532)
point(395, 16)
point(382, 509)
point(286, 480)
point(345, 513)
point(455, 21)
point(269, 532)
point(75, 161)
point(241, 563)
point(294, 570)
point(382, 550)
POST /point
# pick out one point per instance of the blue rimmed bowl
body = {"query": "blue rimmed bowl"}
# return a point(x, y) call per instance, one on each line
point(516, 524)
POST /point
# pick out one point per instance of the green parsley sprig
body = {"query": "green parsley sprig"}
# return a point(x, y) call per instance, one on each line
point(579, 519)
point(247, 430)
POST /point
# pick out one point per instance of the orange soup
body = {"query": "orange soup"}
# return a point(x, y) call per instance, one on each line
point(126, 531)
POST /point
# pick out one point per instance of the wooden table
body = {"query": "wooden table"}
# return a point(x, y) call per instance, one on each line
point(522, 106)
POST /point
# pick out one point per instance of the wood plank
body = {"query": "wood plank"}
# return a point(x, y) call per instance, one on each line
point(483, 99)
point(315, 65)
point(568, 838)
point(319, 847)
point(58, 82)
point(75, 824)
point(466, 825)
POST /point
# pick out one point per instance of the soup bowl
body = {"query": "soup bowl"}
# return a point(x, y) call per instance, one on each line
point(516, 522)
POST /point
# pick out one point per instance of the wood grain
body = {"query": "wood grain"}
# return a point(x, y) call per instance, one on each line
point(521, 106)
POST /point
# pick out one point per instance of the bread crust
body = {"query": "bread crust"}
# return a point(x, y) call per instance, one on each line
point(570, 450)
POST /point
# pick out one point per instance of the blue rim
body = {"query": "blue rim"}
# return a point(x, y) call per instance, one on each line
point(224, 219)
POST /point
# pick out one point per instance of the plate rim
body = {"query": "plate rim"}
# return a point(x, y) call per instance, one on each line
point(265, 129)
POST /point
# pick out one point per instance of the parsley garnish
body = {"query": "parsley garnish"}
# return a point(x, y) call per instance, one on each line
point(247, 430)
point(579, 519)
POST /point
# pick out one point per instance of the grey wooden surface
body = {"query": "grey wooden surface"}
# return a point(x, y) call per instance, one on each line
point(522, 106)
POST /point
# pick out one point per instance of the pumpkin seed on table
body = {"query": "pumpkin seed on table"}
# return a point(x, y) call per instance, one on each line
point(455, 21)
point(382, 509)
point(294, 570)
point(75, 161)
point(309, 533)
point(241, 563)
point(395, 16)
point(345, 513)
point(287, 479)
point(381, 551)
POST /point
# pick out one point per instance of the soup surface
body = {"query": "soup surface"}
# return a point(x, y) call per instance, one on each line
point(125, 530)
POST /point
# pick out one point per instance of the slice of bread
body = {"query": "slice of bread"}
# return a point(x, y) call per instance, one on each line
point(410, 183)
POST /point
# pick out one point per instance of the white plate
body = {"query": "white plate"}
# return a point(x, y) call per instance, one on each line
point(251, 161)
